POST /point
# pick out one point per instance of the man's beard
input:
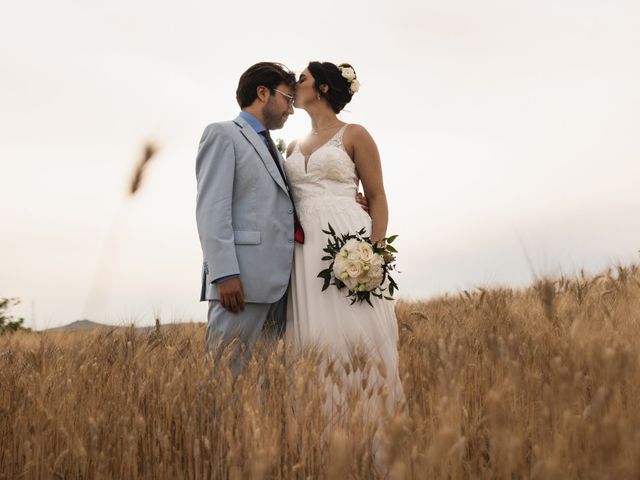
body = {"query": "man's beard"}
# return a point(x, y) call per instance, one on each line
point(273, 120)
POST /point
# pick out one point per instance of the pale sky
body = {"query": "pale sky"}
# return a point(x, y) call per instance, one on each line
point(507, 129)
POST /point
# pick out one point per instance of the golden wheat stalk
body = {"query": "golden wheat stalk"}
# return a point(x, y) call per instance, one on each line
point(148, 152)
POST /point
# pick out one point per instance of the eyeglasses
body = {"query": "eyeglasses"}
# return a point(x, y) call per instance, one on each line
point(290, 98)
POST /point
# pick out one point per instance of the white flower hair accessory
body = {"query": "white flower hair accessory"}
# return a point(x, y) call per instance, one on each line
point(350, 75)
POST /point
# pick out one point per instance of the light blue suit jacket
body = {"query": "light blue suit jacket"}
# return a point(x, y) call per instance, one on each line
point(244, 213)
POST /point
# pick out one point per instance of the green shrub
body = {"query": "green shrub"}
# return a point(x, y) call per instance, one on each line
point(7, 322)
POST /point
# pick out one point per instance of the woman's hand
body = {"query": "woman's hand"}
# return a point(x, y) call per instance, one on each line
point(379, 243)
point(362, 201)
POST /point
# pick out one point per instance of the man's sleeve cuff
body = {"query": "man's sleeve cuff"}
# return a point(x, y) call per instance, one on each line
point(226, 277)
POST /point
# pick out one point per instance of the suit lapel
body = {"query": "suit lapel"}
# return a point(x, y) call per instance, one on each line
point(262, 151)
point(281, 160)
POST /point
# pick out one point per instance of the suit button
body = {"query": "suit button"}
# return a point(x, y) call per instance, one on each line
point(290, 210)
point(291, 240)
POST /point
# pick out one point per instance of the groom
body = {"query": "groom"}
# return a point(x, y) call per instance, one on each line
point(245, 214)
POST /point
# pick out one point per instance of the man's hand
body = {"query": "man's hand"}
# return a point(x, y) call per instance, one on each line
point(231, 295)
point(362, 201)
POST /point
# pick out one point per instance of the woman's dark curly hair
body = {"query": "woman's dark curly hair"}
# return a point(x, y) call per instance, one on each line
point(327, 73)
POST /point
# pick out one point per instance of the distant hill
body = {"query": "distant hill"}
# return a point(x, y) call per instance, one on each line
point(80, 325)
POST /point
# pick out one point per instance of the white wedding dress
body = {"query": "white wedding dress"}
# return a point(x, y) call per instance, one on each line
point(324, 187)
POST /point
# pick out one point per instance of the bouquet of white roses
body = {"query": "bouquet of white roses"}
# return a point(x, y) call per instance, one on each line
point(359, 265)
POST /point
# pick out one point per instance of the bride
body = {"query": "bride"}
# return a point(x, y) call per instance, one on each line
point(324, 170)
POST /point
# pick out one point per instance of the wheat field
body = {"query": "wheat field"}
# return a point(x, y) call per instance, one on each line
point(540, 383)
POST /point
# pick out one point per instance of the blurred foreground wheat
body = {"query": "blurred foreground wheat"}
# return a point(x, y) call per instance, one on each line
point(539, 383)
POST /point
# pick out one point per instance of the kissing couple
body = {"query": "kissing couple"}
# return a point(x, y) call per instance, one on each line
point(261, 218)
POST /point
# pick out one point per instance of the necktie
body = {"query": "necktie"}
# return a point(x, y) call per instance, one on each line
point(298, 231)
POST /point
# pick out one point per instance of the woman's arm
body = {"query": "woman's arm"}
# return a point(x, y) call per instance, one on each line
point(367, 160)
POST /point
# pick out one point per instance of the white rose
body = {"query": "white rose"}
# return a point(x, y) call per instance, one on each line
point(352, 249)
point(339, 266)
point(354, 268)
point(362, 281)
point(351, 245)
point(373, 283)
point(365, 252)
point(348, 73)
point(354, 256)
point(375, 277)
point(355, 86)
point(377, 260)
point(351, 283)
point(376, 272)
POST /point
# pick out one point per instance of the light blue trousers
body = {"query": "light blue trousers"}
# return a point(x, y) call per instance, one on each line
point(223, 327)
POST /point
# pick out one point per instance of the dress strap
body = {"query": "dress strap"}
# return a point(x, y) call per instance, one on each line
point(337, 138)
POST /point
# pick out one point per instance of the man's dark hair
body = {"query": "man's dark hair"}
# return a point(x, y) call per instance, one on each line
point(267, 74)
point(327, 73)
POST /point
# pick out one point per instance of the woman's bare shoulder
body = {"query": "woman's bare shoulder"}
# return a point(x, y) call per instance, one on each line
point(356, 134)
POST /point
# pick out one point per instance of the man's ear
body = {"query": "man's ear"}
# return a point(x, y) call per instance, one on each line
point(324, 88)
point(263, 93)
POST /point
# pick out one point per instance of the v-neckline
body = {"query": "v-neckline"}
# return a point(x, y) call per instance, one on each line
point(306, 158)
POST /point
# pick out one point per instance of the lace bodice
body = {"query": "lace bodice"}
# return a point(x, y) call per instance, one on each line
point(327, 173)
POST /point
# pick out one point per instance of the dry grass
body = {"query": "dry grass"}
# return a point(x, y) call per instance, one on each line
point(541, 383)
